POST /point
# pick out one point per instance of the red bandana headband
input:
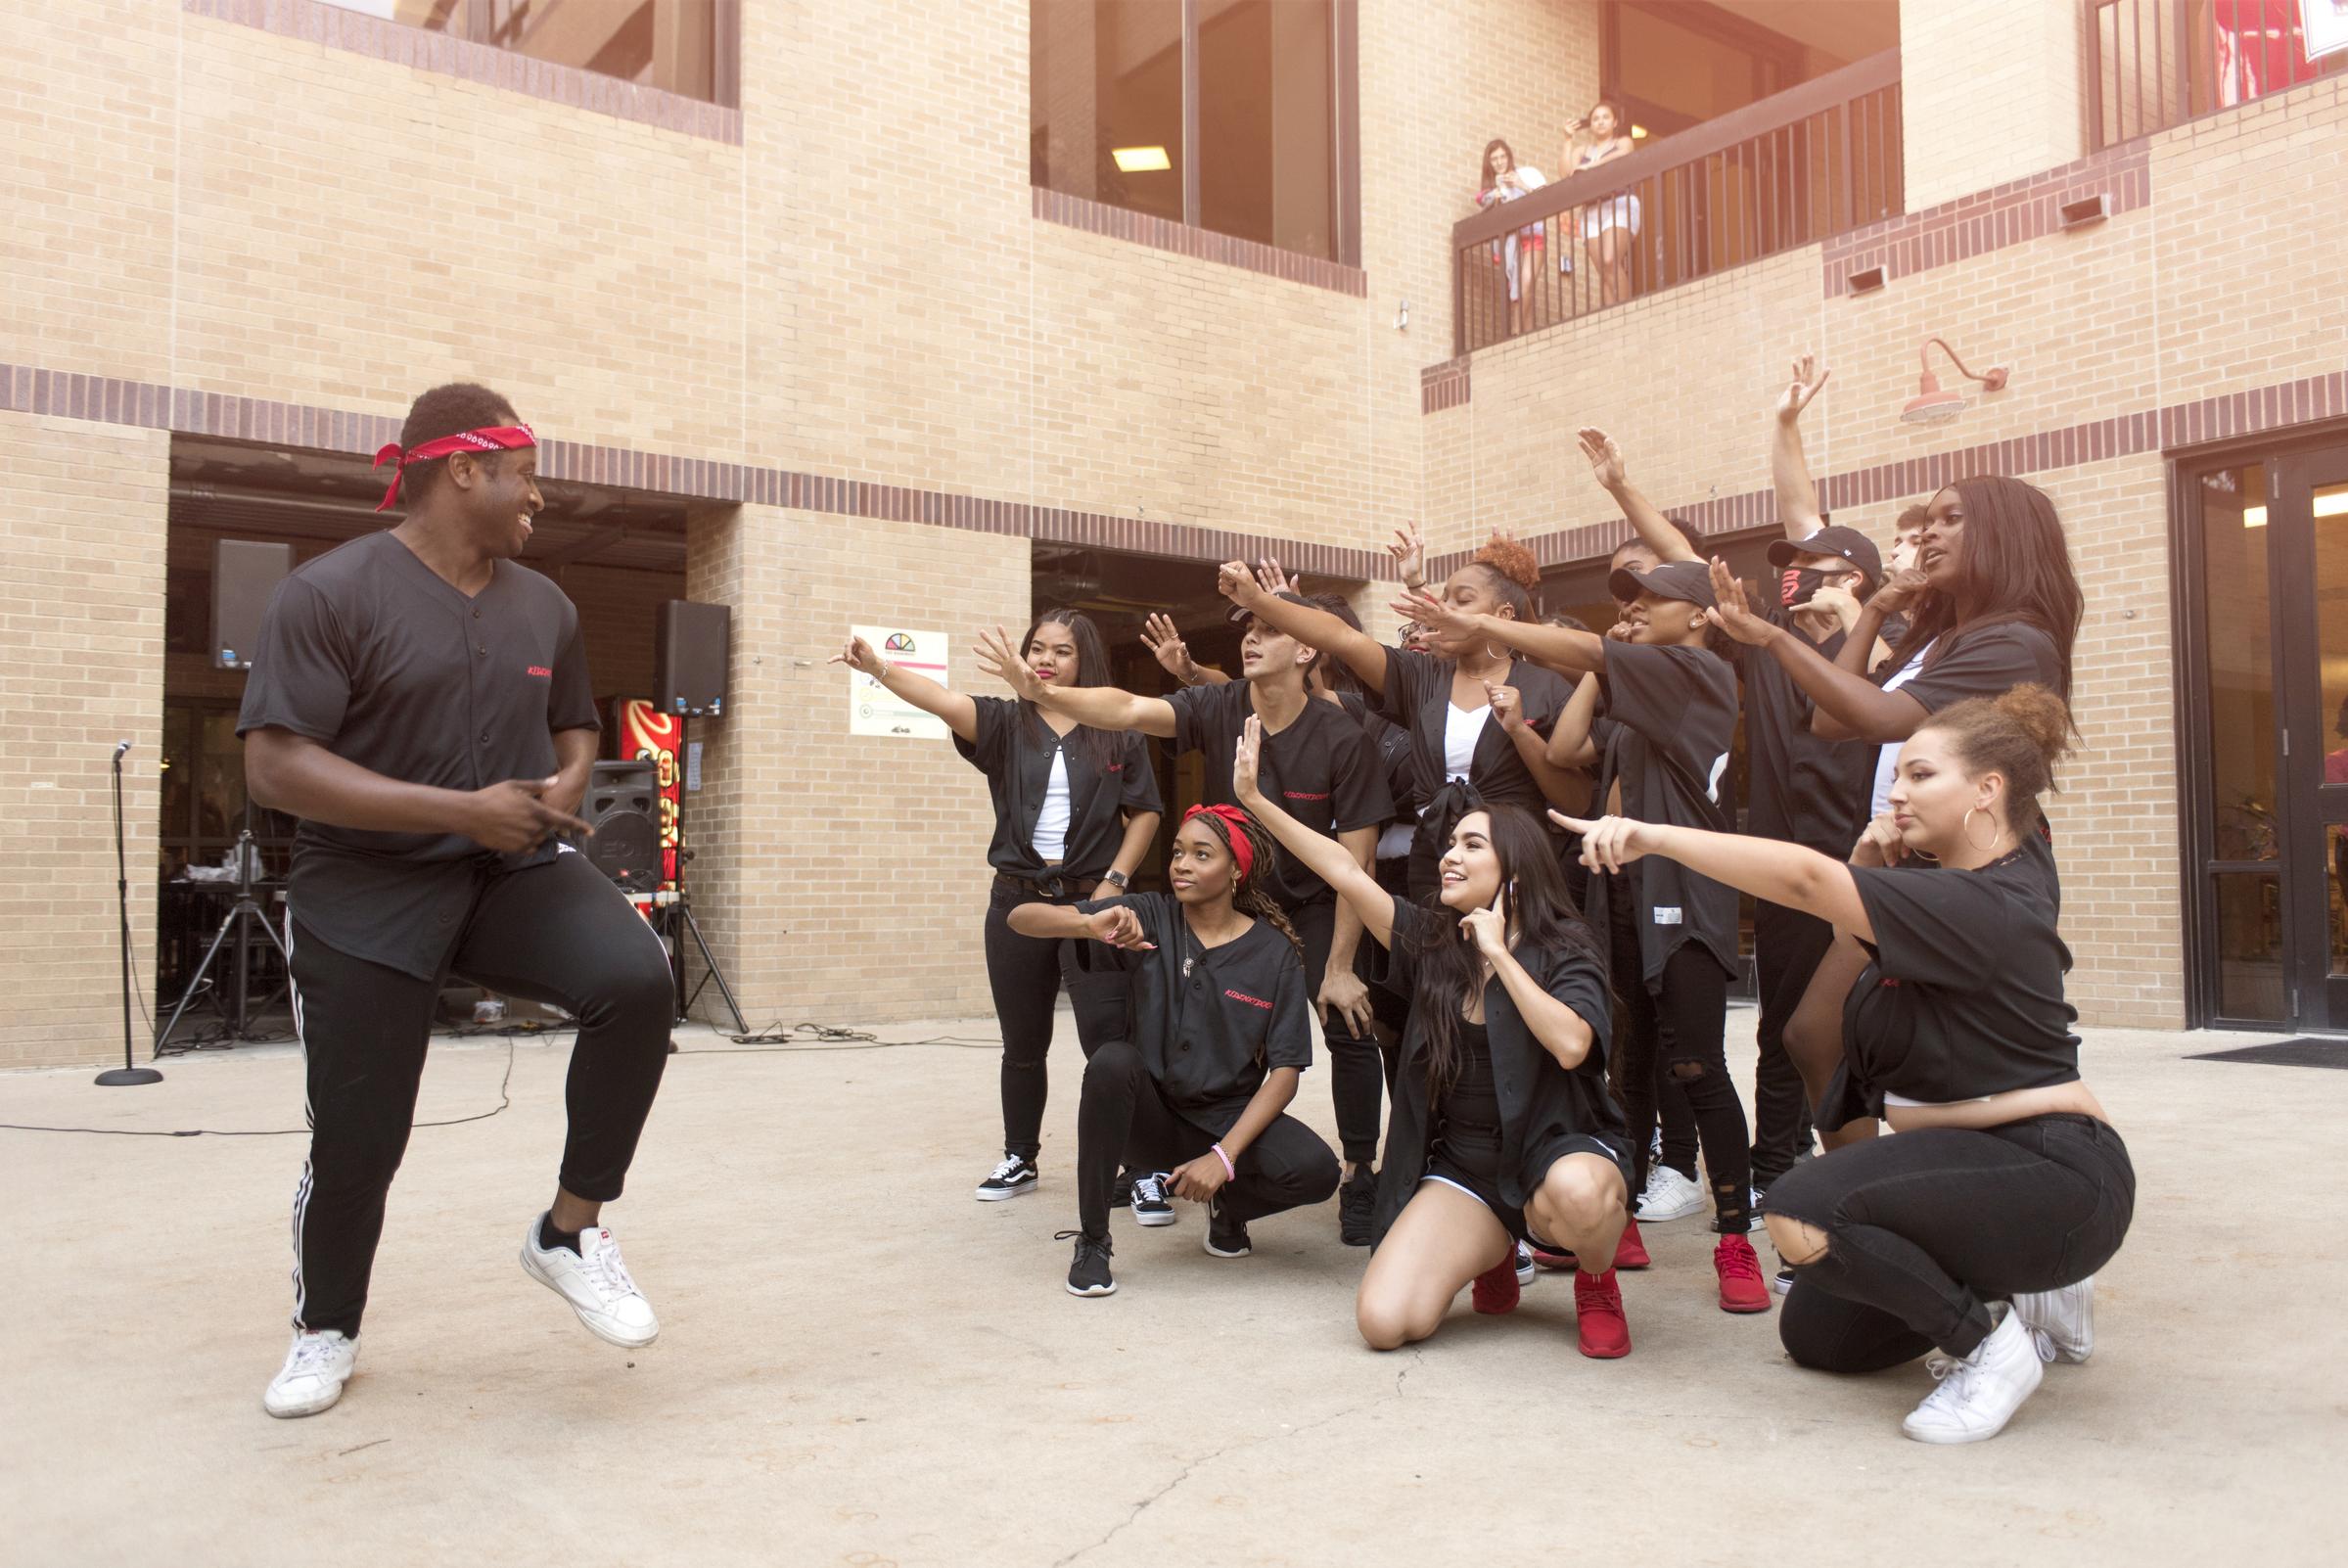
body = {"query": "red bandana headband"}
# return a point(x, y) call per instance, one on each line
point(488, 438)
point(1234, 826)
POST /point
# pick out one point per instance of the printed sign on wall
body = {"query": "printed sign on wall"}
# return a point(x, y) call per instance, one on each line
point(872, 708)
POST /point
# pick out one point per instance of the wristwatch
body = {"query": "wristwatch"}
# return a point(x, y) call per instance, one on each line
point(1116, 879)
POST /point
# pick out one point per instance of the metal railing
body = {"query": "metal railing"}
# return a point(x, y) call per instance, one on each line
point(2155, 64)
point(1815, 161)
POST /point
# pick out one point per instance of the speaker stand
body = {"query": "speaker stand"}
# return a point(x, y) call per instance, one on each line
point(247, 907)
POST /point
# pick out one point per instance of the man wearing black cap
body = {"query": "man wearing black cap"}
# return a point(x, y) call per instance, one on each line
point(1317, 762)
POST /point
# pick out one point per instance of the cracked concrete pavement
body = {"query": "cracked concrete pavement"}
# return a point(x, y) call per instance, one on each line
point(861, 1366)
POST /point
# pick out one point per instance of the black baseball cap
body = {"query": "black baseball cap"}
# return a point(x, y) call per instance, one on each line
point(1241, 615)
point(1848, 543)
point(1690, 580)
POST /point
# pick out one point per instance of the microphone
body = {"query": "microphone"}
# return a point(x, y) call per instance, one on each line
point(121, 749)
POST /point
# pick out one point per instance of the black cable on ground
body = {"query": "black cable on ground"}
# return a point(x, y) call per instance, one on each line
point(779, 1037)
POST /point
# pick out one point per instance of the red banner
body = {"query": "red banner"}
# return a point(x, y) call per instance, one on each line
point(645, 734)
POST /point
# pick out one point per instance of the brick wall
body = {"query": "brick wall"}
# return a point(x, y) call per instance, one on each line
point(1991, 89)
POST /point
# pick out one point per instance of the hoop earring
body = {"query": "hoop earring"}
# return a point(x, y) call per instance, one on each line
point(1966, 828)
point(1500, 653)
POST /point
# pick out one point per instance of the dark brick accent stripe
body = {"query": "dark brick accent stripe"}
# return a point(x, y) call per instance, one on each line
point(2012, 213)
point(1139, 228)
point(25, 390)
point(1444, 385)
point(335, 28)
point(2307, 400)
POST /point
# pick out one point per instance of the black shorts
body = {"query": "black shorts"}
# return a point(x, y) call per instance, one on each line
point(1468, 1158)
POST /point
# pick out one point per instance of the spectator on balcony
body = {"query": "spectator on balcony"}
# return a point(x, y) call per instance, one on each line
point(1504, 179)
point(1607, 228)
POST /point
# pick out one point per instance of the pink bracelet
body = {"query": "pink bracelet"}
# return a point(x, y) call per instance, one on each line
point(1231, 1171)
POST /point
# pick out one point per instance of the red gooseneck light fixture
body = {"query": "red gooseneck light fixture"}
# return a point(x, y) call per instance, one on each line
point(1931, 405)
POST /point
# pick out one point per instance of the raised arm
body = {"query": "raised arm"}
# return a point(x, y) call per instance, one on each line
point(1562, 785)
point(961, 712)
point(1325, 858)
point(1570, 745)
point(1164, 639)
point(1560, 647)
point(1361, 653)
point(1101, 707)
point(1654, 530)
point(1789, 469)
point(1849, 707)
point(1783, 874)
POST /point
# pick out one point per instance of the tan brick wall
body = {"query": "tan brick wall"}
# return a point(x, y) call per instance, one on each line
point(1991, 90)
point(82, 636)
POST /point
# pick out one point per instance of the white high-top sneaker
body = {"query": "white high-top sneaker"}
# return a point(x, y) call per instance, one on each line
point(2066, 1316)
point(317, 1366)
point(596, 1283)
point(1979, 1393)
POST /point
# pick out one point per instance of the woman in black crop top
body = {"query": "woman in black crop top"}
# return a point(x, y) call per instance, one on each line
point(1976, 1230)
point(1503, 1129)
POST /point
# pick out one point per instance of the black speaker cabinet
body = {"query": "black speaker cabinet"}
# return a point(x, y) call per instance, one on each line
point(689, 661)
point(624, 807)
point(244, 575)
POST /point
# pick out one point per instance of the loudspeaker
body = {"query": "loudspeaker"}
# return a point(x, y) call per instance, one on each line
point(244, 575)
point(689, 661)
point(624, 807)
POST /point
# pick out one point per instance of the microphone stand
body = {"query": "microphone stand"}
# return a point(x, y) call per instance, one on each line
point(127, 1074)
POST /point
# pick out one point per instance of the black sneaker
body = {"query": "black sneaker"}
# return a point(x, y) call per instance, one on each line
point(1225, 1236)
point(1357, 1201)
point(1089, 1270)
point(1014, 1177)
point(1151, 1205)
point(1523, 1266)
point(1121, 1190)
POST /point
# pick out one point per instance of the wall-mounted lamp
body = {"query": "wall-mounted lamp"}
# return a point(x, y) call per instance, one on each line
point(1931, 405)
point(1402, 316)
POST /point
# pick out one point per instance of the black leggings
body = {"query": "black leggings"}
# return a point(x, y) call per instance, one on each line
point(558, 933)
point(1924, 1229)
point(1125, 1117)
point(1355, 1072)
point(1672, 1041)
point(1026, 973)
point(1788, 945)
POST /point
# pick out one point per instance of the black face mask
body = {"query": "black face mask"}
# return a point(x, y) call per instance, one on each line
point(1800, 587)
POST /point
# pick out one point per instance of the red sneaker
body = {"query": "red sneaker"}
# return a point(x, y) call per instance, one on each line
point(1496, 1289)
point(1563, 1263)
point(1631, 1251)
point(1742, 1289)
point(1600, 1324)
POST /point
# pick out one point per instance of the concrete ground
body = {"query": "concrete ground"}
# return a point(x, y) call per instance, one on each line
point(861, 1366)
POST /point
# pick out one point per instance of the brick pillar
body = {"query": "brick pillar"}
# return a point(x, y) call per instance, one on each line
point(1991, 91)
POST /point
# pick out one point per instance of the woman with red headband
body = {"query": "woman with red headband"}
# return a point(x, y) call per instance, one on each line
point(1222, 1030)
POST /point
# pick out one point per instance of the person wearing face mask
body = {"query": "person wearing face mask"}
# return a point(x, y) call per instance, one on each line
point(1221, 1030)
point(1327, 771)
point(1663, 742)
point(1075, 811)
point(1503, 1129)
point(1973, 1234)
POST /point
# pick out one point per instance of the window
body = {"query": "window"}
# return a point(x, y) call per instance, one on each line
point(688, 47)
point(1233, 116)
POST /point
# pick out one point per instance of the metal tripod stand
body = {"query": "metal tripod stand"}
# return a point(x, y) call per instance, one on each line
point(678, 912)
point(247, 907)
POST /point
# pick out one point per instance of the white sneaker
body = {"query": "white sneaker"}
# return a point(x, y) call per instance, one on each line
point(2066, 1316)
point(1979, 1393)
point(316, 1367)
point(1668, 1197)
point(1523, 1266)
point(596, 1283)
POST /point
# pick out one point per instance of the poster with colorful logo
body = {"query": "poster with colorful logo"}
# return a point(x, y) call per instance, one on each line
point(872, 709)
point(648, 735)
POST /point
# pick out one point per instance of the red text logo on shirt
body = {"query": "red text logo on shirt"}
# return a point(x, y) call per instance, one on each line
point(540, 672)
point(1252, 1001)
point(1305, 795)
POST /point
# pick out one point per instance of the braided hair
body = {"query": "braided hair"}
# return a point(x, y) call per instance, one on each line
point(1248, 895)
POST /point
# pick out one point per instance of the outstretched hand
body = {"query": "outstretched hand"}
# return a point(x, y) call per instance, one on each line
point(857, 655)
point(1409, 552)
point(1236, 581)
point(1164, 640)
point(1605, 458)
point(1435, 615)
point(1733, 613)
point(1899, 590)
point(1808, 380)
point(1608, 843)
point(1272, 579)
point(1245, 759)
point(999, 658)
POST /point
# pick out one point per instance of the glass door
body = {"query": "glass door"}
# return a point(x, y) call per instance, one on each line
point(2310, 524)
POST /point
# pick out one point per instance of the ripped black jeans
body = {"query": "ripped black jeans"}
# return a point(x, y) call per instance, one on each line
point(1924, 1229)
point(1670, 1040)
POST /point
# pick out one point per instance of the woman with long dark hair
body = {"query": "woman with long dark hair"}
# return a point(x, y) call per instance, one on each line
point(1501, 178)
point(1503, 1129)
point(1977, 1228)
point(1221, 1030)
point(1662, 741)
point(1075, 811)
point(1992, 603)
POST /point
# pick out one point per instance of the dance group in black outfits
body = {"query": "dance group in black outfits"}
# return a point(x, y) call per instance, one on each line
point(1497, 865)
point(1532, 825)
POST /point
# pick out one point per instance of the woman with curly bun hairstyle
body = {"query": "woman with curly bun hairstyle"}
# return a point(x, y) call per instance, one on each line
point(1973, 1235)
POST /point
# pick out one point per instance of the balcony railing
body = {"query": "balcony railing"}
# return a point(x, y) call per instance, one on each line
point(1784, 172)
point(2155, 64)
